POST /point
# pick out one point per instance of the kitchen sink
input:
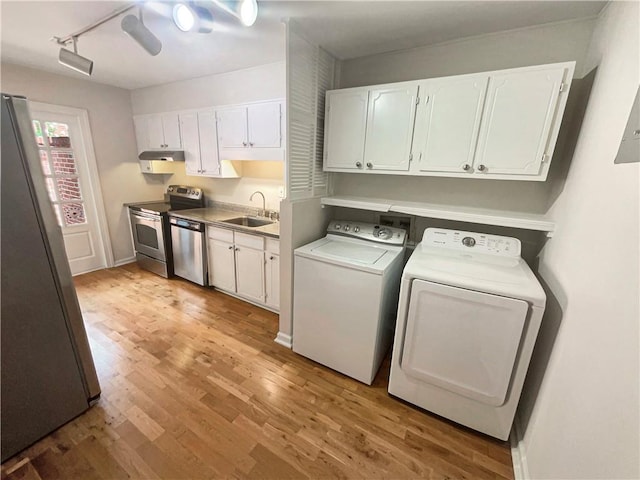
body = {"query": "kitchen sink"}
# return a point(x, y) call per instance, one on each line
point(249, 221)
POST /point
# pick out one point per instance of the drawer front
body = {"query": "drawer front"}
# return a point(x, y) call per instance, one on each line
point(272, 245)
point(251, 241)
point(221, 234)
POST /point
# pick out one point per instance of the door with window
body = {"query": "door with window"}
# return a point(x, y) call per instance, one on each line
point(63, 151)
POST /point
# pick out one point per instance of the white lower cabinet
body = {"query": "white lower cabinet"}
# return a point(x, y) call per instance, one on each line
point(240, 264)
point(272, 273)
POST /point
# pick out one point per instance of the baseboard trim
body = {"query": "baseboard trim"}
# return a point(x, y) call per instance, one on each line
point(518, 457)
point(124, 261)
point(284, 339)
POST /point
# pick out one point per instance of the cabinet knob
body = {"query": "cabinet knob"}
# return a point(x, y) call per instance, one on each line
point(359, 164)
point(271, 257)
point(482, 168)
point(369, 165)
point(251, 144)
point(231, 247)
point(244, 144)
point(466, 167)
point(237, 249)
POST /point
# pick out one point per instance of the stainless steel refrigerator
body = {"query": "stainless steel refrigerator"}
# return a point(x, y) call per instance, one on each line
point(48, 375)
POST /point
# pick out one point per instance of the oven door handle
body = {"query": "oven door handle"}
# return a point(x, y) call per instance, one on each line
point(153, 218)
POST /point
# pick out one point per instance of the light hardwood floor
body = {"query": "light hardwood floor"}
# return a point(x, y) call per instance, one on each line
point(193, 386)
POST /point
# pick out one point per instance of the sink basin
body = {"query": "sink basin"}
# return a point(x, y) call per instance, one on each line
point(249, 221)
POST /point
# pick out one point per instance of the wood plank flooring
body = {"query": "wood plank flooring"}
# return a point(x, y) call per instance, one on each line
point(193, 386)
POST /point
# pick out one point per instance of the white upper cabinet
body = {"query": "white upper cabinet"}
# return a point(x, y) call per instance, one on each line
point(495, 125)
point(390, 119)
point(263, 122)
point(370, 129)
point(171, 131)
point(200, 144)
point(452, 120)
point(190, 142)
point(251, 132)
point(158, 132)
point(519, 114)
point(233, 127)
point(345, 129)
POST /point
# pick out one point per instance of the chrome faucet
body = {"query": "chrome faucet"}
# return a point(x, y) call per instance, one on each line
point(264, 208)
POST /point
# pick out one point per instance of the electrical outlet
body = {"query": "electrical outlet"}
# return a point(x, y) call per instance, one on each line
point(281, 192)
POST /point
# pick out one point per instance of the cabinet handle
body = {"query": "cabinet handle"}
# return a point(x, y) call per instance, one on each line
point(271, 258)
point(237, 249)
point(482, 168)
point(369, 165)
point(244, 144)
point(466, 167)
point(231, 247)
point(359, 164)
point(251, 144)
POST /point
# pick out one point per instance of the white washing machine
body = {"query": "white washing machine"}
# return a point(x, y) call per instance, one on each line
point(469, 313)
point(345, 297)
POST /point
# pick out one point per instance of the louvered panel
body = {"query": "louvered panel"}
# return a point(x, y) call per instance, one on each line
point(310, 74)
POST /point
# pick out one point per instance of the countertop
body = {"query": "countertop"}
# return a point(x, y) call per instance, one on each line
point(215, 216)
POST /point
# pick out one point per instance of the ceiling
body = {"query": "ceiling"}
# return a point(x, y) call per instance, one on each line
point(347, 29)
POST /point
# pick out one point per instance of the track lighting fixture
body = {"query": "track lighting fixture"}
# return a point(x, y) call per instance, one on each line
point(73, 60)
point(188, 17)
point(136, 29)
point(244, 10)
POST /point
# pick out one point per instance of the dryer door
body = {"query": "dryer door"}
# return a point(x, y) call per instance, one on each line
point(462, 340)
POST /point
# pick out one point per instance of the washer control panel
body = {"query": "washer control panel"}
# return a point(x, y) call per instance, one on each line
point(368, 231)
point(471, 242)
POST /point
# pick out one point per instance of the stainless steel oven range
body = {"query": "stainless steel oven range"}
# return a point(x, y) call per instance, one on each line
point(151, 231)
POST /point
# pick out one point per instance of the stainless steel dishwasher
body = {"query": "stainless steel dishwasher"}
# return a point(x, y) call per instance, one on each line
point(189, 254)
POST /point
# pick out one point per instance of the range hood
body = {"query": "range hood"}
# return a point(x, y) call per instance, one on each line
point(164, 155)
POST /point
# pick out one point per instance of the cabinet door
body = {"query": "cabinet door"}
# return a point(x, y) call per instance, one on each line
point(171, 130)
point(190, 142)
point(210, 163)
point(453, 113)
point(263, 121)
point(272, 280)
point(154, 132)
point(250, 273)
point(140, 124)
point(232, 128)
point(517, 120)
point(345, 129)
point(222, 273)
point(390, 127)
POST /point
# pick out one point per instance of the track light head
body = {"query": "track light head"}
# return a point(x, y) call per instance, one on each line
point(74, 61)
point(248, 12)
point(134, 27)
point(192, 18)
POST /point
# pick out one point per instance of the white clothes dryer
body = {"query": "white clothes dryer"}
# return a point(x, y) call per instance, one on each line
point(345, 297)
point(469, 314)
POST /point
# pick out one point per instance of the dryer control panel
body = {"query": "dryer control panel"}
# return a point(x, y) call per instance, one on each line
point(471, 242)
point(368, 231)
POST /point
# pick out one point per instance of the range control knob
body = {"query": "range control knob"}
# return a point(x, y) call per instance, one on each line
point(356, 229)
point(385, 233)
point(346, 228)
point(337, 226)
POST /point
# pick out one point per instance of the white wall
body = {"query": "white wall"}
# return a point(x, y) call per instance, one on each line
point(585, 422)
point(264, 82)
point(114, 142)
point(557, 42)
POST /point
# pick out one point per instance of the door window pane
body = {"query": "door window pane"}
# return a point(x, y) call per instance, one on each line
point(37, 130)
point(58, 134)
point(63, 162)
point(44, 160)
point(73, 213)
point(68, 189)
